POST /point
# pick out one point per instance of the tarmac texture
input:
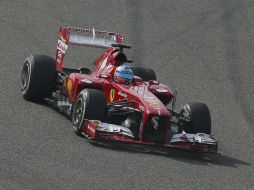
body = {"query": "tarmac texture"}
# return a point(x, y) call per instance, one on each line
point(201, 48)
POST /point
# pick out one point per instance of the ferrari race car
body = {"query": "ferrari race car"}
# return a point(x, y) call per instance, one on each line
point(115, 102)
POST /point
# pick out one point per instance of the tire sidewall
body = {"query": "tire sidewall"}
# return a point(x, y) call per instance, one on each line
point(41, 77)
point(199, 116)
point(83, 98)
point(24, 89)
point(30, 62)
point(93, 103)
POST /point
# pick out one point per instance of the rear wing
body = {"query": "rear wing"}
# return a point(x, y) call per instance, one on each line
point(83, 37)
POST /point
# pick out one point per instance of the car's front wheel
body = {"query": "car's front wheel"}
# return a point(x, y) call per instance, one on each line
point(90, 104)
point(198, 116)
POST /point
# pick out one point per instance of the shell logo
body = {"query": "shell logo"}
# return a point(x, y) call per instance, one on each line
point(69, 87)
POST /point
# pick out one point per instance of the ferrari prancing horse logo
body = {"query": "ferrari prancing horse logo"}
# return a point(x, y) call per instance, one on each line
point(112, 95)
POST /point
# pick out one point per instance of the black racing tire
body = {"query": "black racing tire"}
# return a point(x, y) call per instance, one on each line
point(90, 104)
point(199, 116)
point(145, 73)
point(38, 77)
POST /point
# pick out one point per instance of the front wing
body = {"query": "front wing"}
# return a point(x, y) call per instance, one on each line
point(200, 142)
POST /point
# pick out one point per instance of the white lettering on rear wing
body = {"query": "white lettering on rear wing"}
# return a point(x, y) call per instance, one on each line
point(93, 38)
point(83, 37)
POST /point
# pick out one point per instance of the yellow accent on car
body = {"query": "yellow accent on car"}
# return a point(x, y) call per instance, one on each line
point(112, 95)
point(69, 87)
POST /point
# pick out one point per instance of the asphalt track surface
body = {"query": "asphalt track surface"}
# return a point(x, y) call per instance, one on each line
point(202, 48)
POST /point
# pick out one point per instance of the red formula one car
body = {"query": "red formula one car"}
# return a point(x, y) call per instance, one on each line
point(115, 102)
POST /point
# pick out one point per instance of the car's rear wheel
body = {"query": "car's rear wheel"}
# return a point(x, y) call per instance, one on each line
point(38, 77)
point(90, 104)
point(199, 118)
point(145, 73)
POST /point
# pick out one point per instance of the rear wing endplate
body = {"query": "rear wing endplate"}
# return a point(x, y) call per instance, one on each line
point(83, 37)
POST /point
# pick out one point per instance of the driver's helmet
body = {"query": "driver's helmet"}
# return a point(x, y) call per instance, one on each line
point(123, 75)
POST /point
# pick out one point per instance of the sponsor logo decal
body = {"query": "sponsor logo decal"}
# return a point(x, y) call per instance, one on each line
point(90, 31)
point(59, 57)
point(113, 37)
point(91, 128)
point(63, 103)
point(155, 122)
point(141, 107)
point(112, 95)
point(156, 106)
point(69, 87)
point(122, 94)
point(61, 46)
point(149, 97)
point(61, 50)
point(161, 90)
point(86, 81)
point(153, 102)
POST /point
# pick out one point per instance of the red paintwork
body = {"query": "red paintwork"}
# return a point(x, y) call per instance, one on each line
point(64, 36)
point(143, 93)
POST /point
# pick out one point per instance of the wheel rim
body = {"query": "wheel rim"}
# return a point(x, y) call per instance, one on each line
point(25, 75)
point(185, 112)
point(185, 116)
point(79, 111)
